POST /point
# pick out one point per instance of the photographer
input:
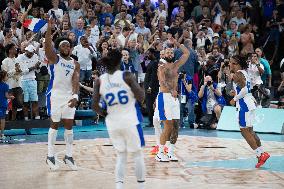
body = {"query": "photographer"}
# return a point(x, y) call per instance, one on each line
point(212, 102)
point(225, 80)
point(188, 97)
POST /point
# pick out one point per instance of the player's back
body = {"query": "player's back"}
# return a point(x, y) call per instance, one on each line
point(247, 103)
point(121, 104)
point(61, 77)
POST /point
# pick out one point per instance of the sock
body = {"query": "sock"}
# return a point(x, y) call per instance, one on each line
point(26, 118)
point(171, 148)
point(139, 166)
point(261, 149)
point(120, 168)
point(52, 134)
point(167, 143)
point(161, 148)
point(158, 130)
point(37, 117)
point(141, 185)
point(119, 185)
point(68, 136)
point(258, 152)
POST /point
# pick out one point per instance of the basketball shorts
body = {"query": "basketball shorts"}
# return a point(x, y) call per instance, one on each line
point(129, 139)
point(58, 108)
point(246, 119)
point(167, 107)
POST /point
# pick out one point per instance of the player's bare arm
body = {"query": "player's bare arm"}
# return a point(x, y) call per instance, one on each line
point(135, 88)
point(96, 98)
point(184, 57)
point(49, 52)
point(239, 79)
point(75, 85)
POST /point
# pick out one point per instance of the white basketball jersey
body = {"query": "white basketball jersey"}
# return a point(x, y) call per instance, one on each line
point(61, 77)
point(121, 104)
point(246, 103)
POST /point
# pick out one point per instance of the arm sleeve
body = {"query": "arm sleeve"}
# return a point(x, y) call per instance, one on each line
point(242, 94)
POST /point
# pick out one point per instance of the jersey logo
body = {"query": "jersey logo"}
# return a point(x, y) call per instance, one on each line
point(119, 98)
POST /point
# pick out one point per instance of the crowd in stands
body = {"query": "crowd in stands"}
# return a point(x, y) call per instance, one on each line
point(212, 30)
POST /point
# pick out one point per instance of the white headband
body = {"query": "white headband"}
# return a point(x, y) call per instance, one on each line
point(64, 41)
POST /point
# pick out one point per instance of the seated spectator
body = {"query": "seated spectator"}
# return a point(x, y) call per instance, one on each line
point(212, 99)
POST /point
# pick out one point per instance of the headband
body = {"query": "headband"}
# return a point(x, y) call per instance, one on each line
point(64, 41)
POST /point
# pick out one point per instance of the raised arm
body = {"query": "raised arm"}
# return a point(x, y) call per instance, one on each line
point(139, 93)
point(184, 57)
point(96, 98)
point(49, 51)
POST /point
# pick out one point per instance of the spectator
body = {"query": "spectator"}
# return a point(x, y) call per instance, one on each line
point(212, 100)
point(122, 37)
point(77, 10)
point(29, 62)
point(85, 53)
point(79, 29)
point(141, 29)
point(266, 76)
point(126, 65)
point(239, 19)
point(14, 73)
point(247, 40)
point(57, 11)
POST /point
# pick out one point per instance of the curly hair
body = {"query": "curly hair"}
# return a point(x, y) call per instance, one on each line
point(241, 60)
point(112, 60)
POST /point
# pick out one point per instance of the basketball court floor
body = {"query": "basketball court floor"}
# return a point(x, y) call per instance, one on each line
point(207, 159)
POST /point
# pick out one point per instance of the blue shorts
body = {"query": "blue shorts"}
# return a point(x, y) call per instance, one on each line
point(30, 90)
point(3, 113)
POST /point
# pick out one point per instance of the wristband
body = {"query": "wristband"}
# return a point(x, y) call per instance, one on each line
point(75, 96)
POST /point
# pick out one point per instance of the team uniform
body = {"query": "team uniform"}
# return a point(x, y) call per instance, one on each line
point(245, 103)
point(124, 116)
point(167, 107)
point(59, 91)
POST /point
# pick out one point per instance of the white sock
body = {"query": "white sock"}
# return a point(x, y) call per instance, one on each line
point(119, 185)
point(26, 118)
point(52, 134)
point(161, 149)
point(139, 166)
point(120, 168)
point(171, 148)
point(158, 130)
point(261, 149)
point(68, 136)
point(141, 185)
point(258, 152)
point(167, 143)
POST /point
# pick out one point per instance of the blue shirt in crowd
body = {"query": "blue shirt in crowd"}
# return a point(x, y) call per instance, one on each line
point(3, 90)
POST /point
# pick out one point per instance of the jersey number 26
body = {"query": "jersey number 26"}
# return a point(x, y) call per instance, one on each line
point(121, 96)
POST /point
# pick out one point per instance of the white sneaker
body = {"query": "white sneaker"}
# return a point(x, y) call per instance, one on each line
point(195, 125)
point(119, 185)
point(161, 157)
point(172, 157)
point(51, 162)
point(70, 162)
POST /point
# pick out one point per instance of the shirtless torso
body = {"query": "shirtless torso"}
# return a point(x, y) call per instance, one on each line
point(168, 78)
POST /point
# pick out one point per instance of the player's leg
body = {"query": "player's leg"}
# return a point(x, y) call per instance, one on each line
point(173, 140)
point(118, 140)
point(158, 132)
point(165, 136)
point(52, 134)
point(135, 142)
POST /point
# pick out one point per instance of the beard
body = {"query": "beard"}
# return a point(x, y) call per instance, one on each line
point(169, 59)
point(64, 54)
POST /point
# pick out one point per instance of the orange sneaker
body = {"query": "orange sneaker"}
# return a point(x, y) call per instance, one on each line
point(155, 150)
point(262, 159)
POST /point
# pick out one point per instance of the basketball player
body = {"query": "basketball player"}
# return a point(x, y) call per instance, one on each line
point(120, 91)
point(62, 95)
point(167, 103)
point(246, 106)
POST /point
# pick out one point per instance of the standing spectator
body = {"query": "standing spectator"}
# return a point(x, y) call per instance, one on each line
point(126, 65)
point(239, 19)
point(247, 40)
point(95, 31)
point(85, 53)
point(266, 76)
point(77, 11)
point(14, 73)
point(141, 29)
point(151, 84)
point(29, 62)
point(57, 11)
point(122, 36)
point(4, 95)
point(79, 29)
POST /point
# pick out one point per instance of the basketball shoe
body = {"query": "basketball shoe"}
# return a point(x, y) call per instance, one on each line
point(51, 162)
point(161, 157)
point(262, 159)
point(70, 162)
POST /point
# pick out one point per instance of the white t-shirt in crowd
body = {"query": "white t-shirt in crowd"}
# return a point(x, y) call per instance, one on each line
point(254, 74)
point(25, 64)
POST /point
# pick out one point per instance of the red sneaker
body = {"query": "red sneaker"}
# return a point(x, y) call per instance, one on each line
point(155, 150)
point(262, 159)
point(166, 150)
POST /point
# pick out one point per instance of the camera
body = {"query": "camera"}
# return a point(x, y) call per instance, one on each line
point(181, 75)
point(209, 83)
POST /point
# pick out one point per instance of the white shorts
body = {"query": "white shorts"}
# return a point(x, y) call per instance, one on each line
point(246, 119)
point(167, 107)
point(58, 109)
point(129, 139)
